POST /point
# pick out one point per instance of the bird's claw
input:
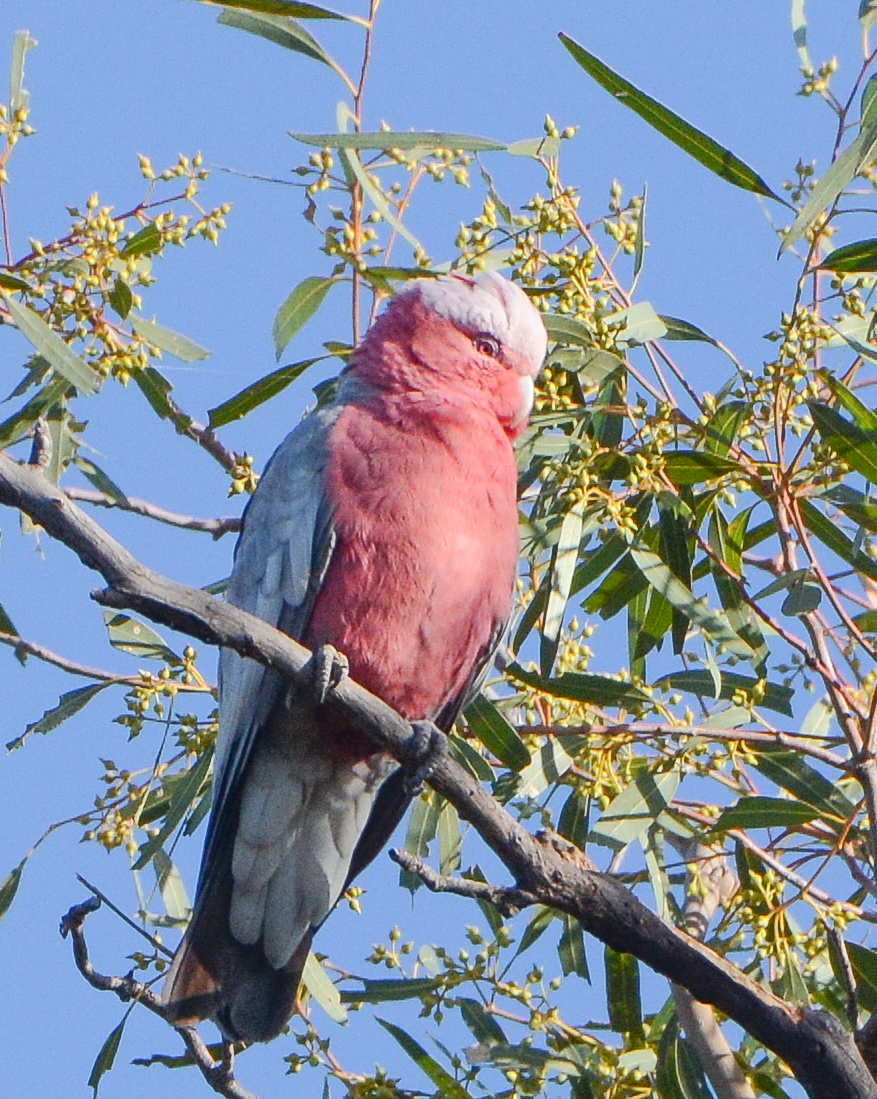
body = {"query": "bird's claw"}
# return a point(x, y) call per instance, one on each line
point(427, 745)
point(328, 669)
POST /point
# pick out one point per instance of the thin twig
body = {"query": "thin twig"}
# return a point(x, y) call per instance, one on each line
point(217, 1073)
point(507, 901)
point(226, 524)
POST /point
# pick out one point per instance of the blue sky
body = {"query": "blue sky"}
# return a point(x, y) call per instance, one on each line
point(109, 81)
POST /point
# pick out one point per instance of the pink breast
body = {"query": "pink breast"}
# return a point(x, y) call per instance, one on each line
point(424, 566)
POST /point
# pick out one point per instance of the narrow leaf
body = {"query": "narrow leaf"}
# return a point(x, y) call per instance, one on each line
point(298, 308)
point(181, 347)
point(859, 256)
point(49, 344)
point(693, 141)
point(18, 96)
point(848, 439)
point(443, 1080)
point(101, 481)
point(764, 812)
point(776, 696)
point(386, 991)
point(684, 330)
point(236, 407)
point(831, 186)
point(136, 638)
point(282, 31)
point(406, 139)
point(632, 812)
point(571, 948)
point(564, 559)
point(282, 7)
point(171, 887)
point(680, 595)
point(69, 704)
point(184, 795)
point(321, 988)
point(639, 245)
point(377, 197)
point(786, 769)
point(9, 887)
point(600, 690)
point(145, 242)
point(481, 1023)
point(623, 995)
point(497, 734)
point(107, 1055)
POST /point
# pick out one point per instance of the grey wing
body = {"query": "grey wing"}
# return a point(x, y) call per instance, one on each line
point(280, 561)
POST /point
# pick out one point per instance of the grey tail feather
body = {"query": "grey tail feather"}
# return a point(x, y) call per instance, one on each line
point(215, 976)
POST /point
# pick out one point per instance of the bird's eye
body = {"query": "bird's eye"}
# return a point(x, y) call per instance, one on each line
point(485, 344)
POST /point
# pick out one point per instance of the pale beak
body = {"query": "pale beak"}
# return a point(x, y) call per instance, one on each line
point(528, 394)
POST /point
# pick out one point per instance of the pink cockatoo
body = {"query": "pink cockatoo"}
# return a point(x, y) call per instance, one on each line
point(385, 526)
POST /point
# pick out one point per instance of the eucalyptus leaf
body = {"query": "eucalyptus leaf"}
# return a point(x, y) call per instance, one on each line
point(265, 389)
point(69, 704)
point(447, 1085)
point(323, 991)
point(49, 344)
point(181, 347)
point(765, 812)
point(693, 141)
point(405, 139)
point(298, 308)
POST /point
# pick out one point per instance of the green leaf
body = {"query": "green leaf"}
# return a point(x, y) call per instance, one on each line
point(597, 365)
point(69, 704)
point(599, 690)
point(867, 15)
point(171, 887)
point(693, 467)
point(564, 558)
point(623, 996)
point(10, 282)
point(236, 407)
point(568, 330)
point(712, 623)
point(803, 598)
point(281, 31)
point(422, 827)
point(864, 963)
point(145, 242)
point(49, 344)
point(691, 140)
point(860, 256)
point(136, 638)
point(799, 30)
point(764, 812)
point(321, 988)
point(636, 325)
point(298, 308)
point(405, 139)
point(535, 147)
point(468, 756)
point(185, 792)
point(830, 187)
point(7, 626)
point(121, 298)
point(481, 1023)
point(447, 1085)
point(450, 839)
point(497, 734)
point(181, 347)
point(385, 991)
point(9, 887)
point(282, 7)
point(677, 329)
point(679, 1075)
point(18, 95)
point(571, 948)
point(101, 481)
point(157, 390)
point(639, 244)
point(107, 1055)
point(377, 197)
point(786, 769)
point(776, 696)
point(632, 812)
point(848, 439)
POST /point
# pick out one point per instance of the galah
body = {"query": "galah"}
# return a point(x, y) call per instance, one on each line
point(385, 526)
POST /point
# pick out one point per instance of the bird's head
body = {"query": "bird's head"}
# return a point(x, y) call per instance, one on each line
point(479, 337)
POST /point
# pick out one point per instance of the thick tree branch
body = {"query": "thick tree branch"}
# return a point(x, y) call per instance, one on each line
point(218, 1074)
point(816, 1047)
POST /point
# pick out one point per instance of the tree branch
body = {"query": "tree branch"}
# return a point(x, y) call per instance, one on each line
point(215, 527)
point(507, 901)
point(816, 1047)
point(218, 1074)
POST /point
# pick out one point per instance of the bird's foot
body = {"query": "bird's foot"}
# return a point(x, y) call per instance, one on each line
point(428, 744)
point(328, 669)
